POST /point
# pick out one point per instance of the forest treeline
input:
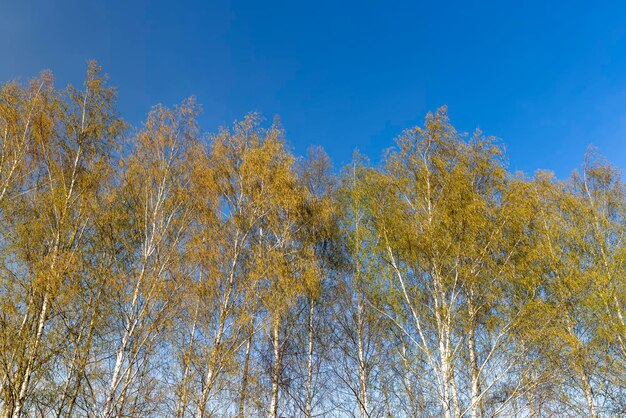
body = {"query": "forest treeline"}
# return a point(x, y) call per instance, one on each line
point(165, 272)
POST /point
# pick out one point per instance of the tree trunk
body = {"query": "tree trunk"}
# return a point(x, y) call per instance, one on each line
point(309, 381)
point(276, 370)
point(476, 404)
point(210, 375)
point(244, 378)
point(445, 368)
point(455, 394)
point(588, 395)
point(43, 315)
point(363, 407)
point(121, 352)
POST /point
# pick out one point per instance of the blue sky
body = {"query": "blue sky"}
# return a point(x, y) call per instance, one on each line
point(548, 78)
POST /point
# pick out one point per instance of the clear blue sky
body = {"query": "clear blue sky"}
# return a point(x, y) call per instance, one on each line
point(549, 78)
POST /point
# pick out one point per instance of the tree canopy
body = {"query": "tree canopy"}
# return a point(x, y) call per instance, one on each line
point(167, 272)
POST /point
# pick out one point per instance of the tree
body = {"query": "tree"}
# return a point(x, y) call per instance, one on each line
point(168, 272)
point(51, 221)
point(149, 220)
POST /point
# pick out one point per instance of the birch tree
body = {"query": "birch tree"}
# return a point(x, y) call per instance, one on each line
point(52, 223)
point(149, 221)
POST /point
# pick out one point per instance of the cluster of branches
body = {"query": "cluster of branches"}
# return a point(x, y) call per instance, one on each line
point(163, 272)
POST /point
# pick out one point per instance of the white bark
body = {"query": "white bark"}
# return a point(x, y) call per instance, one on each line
point(276, 370)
